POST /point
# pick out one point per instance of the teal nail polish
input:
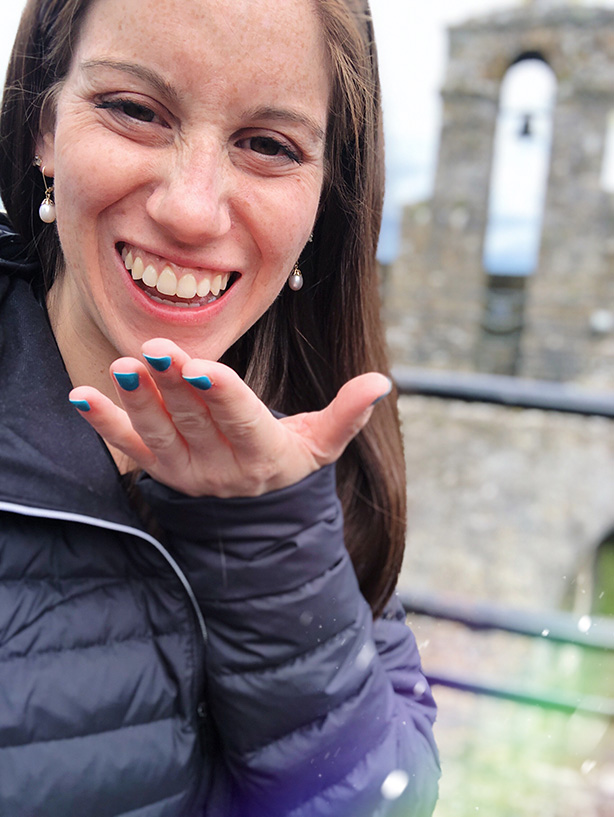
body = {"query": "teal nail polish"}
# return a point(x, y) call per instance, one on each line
point(129, 381)
point(385, 394)
point(160, 364)
point(81, 405)
point(203, 382)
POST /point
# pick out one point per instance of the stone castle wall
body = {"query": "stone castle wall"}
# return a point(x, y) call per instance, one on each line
point(508, 506)
point(436, 289)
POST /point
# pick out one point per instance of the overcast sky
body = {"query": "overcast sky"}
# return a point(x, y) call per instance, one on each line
point(412, 45)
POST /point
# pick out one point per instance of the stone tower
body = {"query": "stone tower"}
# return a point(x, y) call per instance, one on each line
point(439, 289)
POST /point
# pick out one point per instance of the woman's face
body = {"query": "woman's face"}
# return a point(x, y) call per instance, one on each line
point(188, 144)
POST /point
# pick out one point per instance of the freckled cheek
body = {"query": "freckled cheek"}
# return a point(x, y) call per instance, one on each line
point(71, 187)
point(77, 202)
point(88, 178)
point(288, 225)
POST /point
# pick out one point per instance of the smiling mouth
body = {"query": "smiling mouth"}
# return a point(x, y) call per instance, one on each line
point(167, 284)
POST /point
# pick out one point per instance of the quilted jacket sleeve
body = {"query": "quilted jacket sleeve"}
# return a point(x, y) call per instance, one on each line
point(316, 705)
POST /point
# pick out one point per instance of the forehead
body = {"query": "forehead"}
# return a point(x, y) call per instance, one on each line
point(266, 44)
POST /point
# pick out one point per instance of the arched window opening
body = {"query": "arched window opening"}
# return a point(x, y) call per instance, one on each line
point(519, 179)
point(523, 141)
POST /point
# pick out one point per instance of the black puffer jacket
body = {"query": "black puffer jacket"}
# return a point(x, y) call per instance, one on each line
point(232, 670)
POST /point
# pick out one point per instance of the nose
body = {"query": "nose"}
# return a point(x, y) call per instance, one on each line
point(192, 198)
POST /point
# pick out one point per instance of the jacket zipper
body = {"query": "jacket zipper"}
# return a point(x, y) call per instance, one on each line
point(46, 513)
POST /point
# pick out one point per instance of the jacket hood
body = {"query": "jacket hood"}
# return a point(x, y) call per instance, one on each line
point(50, 458)
point(14, 258)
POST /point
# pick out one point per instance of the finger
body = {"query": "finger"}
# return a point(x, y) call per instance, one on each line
point(182, 401)
point(335, 426)
point(143, 403)
point(112, 423)
point(237, 413)
point(163, 356)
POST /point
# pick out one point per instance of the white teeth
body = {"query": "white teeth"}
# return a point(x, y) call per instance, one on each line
point(150, 276)
point(203, 288)
point(167, 282)
point(216, 285)
point(186, 286)
point(138, 268)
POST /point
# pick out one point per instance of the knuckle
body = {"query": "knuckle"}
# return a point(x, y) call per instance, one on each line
point(159, 440)
point(244, 429)
point(190, 423)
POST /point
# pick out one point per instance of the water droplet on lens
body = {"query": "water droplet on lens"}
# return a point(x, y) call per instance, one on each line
point(366, 655)
point(395, 784)
point(585, 624)
point(420, 688)
point(588, 766)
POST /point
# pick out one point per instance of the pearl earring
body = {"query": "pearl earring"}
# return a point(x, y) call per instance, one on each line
point(295, 281)
point(47, 209)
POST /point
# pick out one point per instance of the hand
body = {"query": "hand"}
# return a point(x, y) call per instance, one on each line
point(219, 441)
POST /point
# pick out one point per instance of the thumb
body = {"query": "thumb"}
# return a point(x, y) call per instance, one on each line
point(348, 413)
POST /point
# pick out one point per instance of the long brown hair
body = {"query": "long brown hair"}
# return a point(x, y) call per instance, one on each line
point(307, 345)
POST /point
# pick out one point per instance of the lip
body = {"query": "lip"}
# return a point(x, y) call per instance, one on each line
point(166, 312)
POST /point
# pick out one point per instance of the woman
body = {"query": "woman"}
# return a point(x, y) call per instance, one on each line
point(182, 631)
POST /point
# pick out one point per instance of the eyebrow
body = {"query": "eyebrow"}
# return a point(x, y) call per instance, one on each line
point(140, 71)
point(288, 115)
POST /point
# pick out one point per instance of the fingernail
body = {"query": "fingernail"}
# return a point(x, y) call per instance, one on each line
point(160, 364)
point(203, 382)
point(82, 405)
point(129, 381)
point(385, 394)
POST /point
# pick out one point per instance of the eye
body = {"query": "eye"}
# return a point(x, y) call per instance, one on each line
point(130, 109)
point(268, 146)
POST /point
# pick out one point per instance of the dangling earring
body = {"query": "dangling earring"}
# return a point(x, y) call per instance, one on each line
point(295, 281)
point(47, 209)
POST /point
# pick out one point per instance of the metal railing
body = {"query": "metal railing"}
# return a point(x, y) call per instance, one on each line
point(594, 633)
point(503, 390)
point(555, 627)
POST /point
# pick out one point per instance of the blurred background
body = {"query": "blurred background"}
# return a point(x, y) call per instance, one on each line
point(497, 264)
point(497, 259)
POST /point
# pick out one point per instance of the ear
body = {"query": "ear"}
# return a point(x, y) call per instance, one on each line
point(45, 148)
